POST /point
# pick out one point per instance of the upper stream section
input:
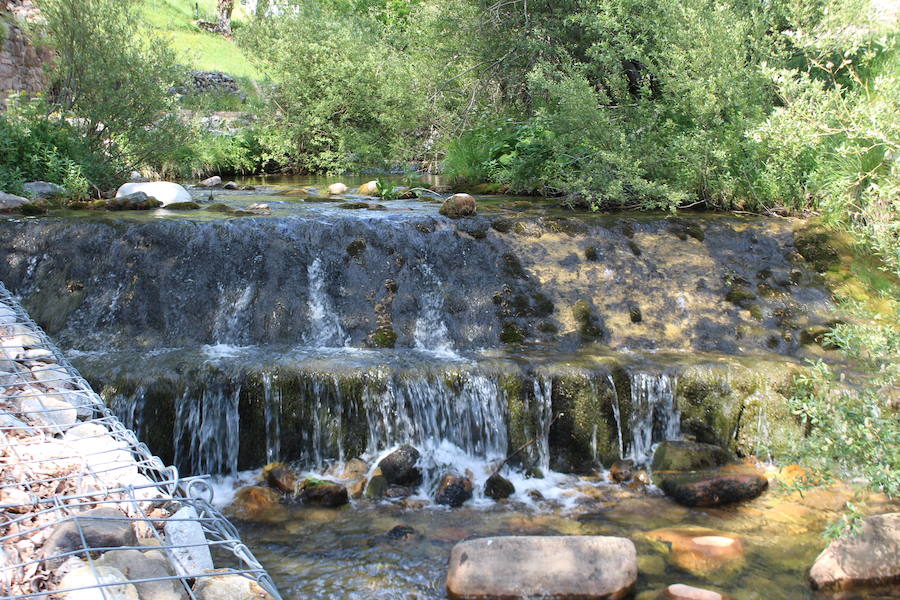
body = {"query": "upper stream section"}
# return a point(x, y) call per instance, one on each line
point(314, 275)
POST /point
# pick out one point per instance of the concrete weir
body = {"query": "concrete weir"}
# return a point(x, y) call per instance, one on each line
point(86, 511)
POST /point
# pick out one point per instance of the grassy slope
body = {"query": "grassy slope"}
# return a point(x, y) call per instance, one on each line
point(198, 49)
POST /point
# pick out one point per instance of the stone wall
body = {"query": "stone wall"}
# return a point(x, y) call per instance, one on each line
point(21, 63)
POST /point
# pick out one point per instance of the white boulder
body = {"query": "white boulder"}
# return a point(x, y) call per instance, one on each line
point(164, 191)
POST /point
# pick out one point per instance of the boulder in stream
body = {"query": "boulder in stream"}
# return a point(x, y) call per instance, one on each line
point(281, 477)
point(622, 470)
point(164, 191)
point(255, 503)
point(871, 557)
point(324, 493)
point(369, 188)
point(700, 551)
point(400, 467)
point(458, 205)
point(559, 567)
point(213, 181)
point(498, 487)
point(453, 490)
point(337, 188)
point(41, 190)
point(10, 202)
point(713, 488)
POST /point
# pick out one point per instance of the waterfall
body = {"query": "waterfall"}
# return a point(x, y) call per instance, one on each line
point(654, 417)
point(431, 332)
point(232, 316)
point(542, 411)
point(324, 327)
point(207, 435)
point(617, 414)
point(130, 409)
point(470, 414)
point(272, 414)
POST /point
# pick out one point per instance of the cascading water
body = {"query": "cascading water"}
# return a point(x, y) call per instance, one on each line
point(542, 410)
point(654, 417)
point(272, 414)
point(471, 414)
point(233, 316)
point(324, 327)
point(207, 429)
point(130, 409)
point(431, 332)
point(617, 415)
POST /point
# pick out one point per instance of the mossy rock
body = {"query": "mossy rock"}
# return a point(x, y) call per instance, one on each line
point(513, 267)
point(503, 225)
point(219, 207)
point(353, 205)
point(635, 314)
point(590, 253)
point(383, 337)
point(182, 206)
point(635, 249)
point(33, 209)
point(687, 456)
point(683, 229)
point(512, 334)
point(356, 248)
point(588, 324)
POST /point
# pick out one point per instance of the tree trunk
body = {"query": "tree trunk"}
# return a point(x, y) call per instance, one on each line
point(223, 24)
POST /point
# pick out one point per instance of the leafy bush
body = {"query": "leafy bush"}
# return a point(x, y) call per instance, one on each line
point(341, 97)
point(111, 82)
point(35, 148)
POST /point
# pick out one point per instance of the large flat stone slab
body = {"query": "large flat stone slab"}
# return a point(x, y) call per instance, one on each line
point(557, 567)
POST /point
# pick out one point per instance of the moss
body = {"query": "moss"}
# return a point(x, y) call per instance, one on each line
point(502, 225)
point(627, 228)
point(512, 388)
point(182, 206)
point(527, 229)
point(565, 225)
point(219, 207)
point(590, 253)
point(513, 267)
point(548, 327)
point(740, 295)
point(356, 248)
point(816, 249)
point(684, 229)
point(585, 419)
point(756, 311)
point(635, 249)
point(383, 337)
point(353, 205)
point(588, 325)
point(511, 334)
point(33, 209)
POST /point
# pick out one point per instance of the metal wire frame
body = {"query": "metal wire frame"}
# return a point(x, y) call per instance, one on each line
point(114, 469)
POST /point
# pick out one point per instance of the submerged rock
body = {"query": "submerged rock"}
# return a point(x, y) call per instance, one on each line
point(458, 205)
point(400, 467)
point(231, 185)
point(679, 591)
point(134, 201)
point(453, 490)
point(713, 488)
point(377, 485)
point(559, 567)
point(164, 191)
point(498, 487)
point(700, 551)
point(183, 206)
point(687, 456)
point(870, 558)
point(254, 503)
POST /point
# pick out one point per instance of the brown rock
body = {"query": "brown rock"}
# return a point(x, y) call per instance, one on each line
point(621, 470)
point(558, 567)
point(458, 205)
point(368, 189)
point(280, 477)
point(453, 490)
point(713, 488)
point(870, 558)
point(326, 494)
point(255, 503)
point(701, 551)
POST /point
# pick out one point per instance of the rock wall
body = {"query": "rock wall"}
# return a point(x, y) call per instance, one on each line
point(21, 63)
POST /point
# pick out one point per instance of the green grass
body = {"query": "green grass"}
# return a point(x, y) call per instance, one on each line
point(173, 19)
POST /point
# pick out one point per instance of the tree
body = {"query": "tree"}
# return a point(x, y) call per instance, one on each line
point(223, 23)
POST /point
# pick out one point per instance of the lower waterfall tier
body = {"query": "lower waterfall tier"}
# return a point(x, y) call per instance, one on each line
point(222, 410)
